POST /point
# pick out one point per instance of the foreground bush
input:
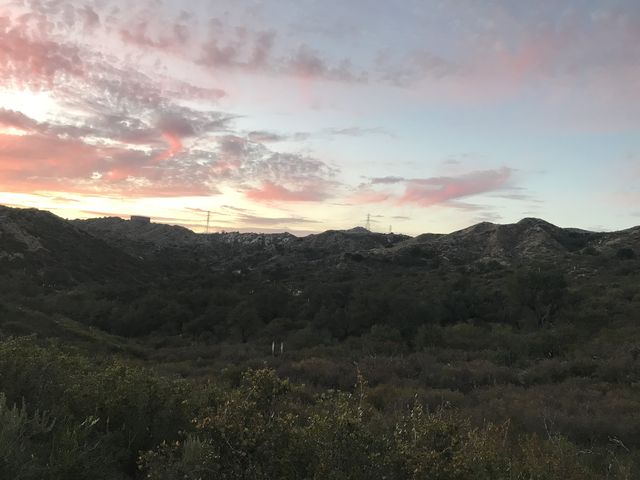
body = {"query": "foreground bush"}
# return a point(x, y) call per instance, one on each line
point(65, 417)
point(263, 431)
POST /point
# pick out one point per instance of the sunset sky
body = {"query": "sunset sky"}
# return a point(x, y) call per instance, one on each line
point(305, 115)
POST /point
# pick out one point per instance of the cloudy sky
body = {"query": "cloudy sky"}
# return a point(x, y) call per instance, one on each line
point(304, 115)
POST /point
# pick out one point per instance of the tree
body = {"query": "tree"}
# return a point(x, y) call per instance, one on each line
point(540, 290)
point(626, 254)
point(244, 320)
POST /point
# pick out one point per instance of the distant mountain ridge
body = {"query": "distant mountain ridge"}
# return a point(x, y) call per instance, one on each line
point(108, 247)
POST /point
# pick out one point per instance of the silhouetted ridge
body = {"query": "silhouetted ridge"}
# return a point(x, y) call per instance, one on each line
point(54, 249)
point(41, 239)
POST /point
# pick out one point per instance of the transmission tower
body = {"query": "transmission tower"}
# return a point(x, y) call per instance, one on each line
point(208, 218)
point(368, 223)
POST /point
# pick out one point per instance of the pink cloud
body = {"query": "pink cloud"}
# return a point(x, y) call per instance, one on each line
point(438, 190)
point(174, 146)
point(427, 192)
point(25, 60)
point(270, 192)
point(37, 156)
point(39, 162)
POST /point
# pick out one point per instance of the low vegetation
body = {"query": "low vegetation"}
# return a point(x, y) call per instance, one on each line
point(345, 367)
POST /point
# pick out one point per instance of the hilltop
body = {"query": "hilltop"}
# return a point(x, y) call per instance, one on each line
point(106, 248)
point(527, 240)
point(56, 251)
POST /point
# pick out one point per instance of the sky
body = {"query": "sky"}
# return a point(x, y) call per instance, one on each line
point(307, 115)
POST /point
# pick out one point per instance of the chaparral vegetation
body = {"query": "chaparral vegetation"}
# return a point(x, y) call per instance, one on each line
point(146, 351)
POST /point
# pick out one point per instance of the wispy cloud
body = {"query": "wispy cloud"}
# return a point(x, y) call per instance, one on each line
point(272, 221)
point(270, 192)
point(357, 131)
point(390, 180)
point(431, 191)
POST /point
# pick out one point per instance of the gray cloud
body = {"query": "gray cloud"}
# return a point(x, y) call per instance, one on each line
point(258, 220)
point(356, 131)
point(390, 180)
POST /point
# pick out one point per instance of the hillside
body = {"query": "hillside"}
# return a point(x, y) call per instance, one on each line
point(161, 352)
point(56, 252)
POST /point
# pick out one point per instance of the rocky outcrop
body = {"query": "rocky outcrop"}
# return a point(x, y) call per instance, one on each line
point(531, 239)
point(353, 240)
